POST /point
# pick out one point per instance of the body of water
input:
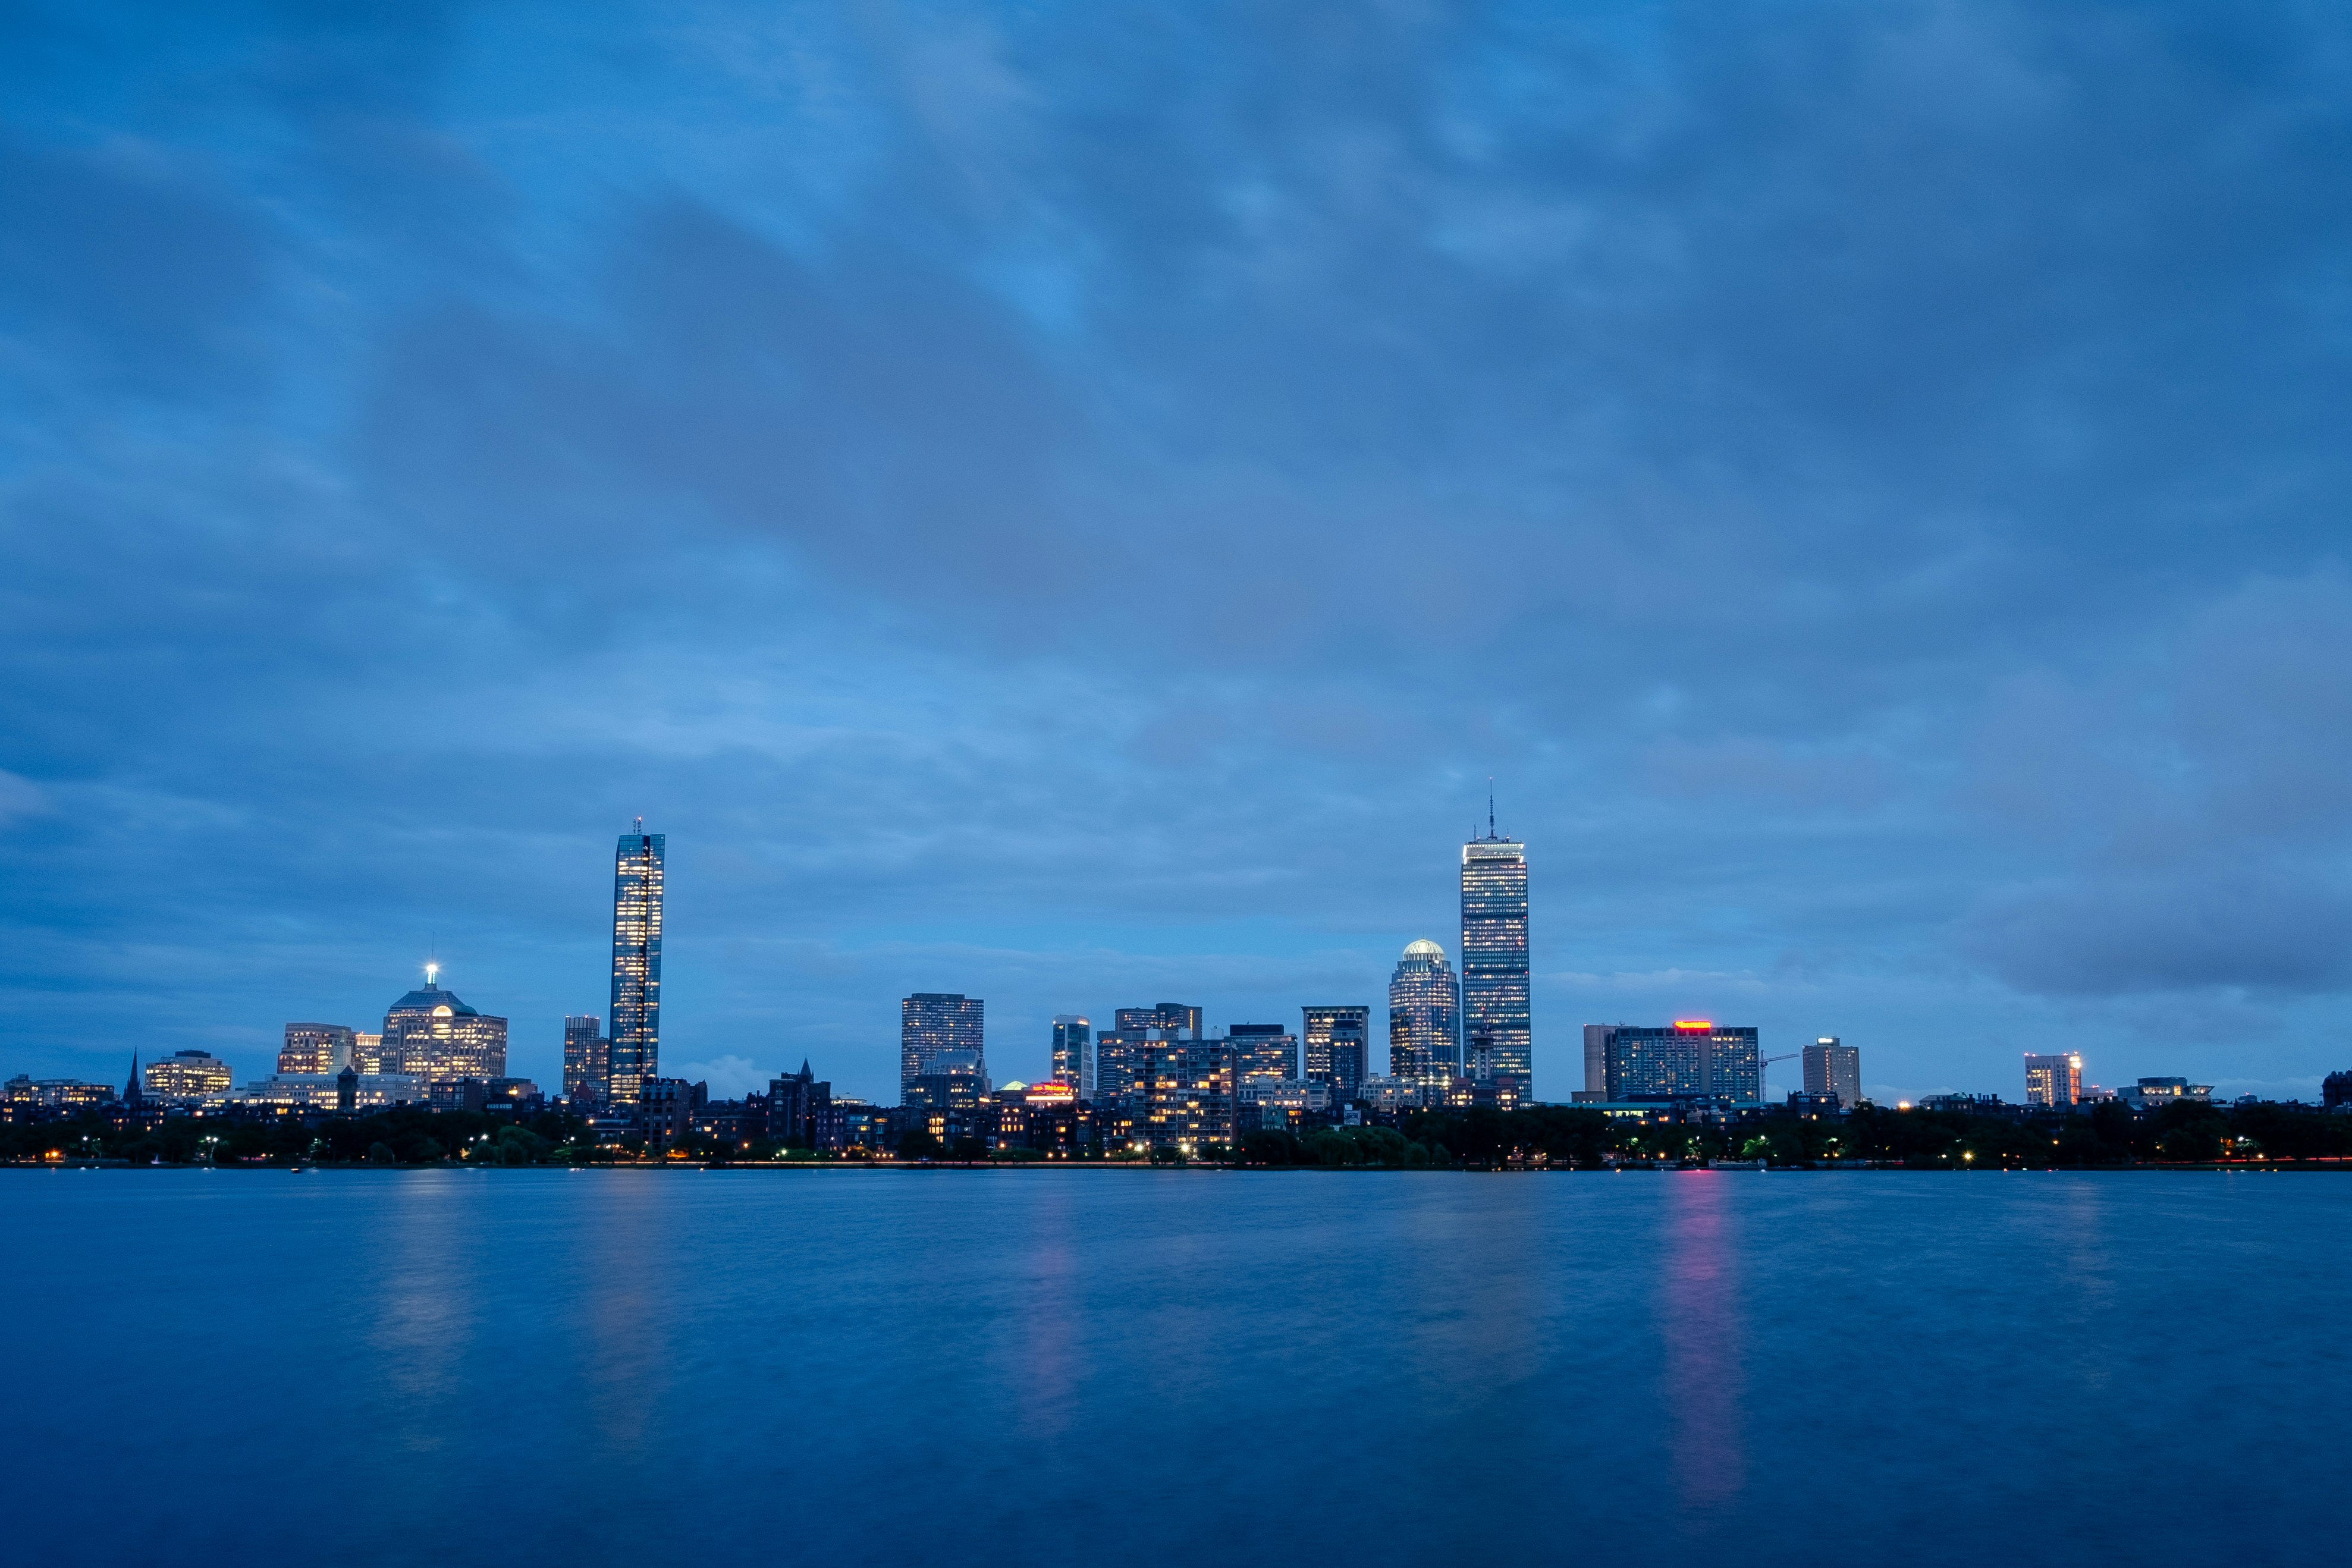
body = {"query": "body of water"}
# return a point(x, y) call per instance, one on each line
point(1174, 1367)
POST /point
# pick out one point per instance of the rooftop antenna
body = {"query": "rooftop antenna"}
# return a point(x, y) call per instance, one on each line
point(641, 827)
point(1490, 805)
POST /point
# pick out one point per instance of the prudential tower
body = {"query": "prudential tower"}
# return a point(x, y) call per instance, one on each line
point(1495, 1002)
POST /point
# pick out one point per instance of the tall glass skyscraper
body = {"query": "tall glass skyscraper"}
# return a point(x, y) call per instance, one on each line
point(933, 1027)
point(633, 1057)
point(1074, 1054)
point(1424, 1017)
point(1494, 1001)
point(1337, 1051)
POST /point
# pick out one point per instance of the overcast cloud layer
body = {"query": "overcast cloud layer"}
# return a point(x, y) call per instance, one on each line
point(1070, 504)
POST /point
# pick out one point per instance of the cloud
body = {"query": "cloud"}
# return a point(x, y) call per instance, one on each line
point(729, 1077)
point(1069, 501)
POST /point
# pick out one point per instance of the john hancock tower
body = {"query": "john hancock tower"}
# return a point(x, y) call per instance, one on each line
point(1494, 953)
point(636, 1017)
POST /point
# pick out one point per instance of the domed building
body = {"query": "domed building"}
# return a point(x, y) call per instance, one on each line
point(431, 1034)
point(1424, 1019)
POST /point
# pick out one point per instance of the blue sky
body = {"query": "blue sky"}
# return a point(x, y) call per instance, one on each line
point(1071, 503)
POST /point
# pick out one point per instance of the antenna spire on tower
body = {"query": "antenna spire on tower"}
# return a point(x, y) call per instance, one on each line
point(1490, 805)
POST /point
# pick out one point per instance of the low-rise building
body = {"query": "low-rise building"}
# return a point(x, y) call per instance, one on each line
point(2152, 1094)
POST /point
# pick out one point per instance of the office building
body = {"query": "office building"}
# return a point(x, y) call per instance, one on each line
point(1596, 1059)
point(1338, 1049)
point(185, 1076)
point(1834, 1068)
point(367, 1052)
point(432, 1034)
point(1494, 993)
point(633, 1055)
point(1424, 1017)
point(587, 1060)
point(933, 1023)
point(1692, 1058)
point(2054, 1079)
point(343, 1090)
point(58, 1094)
point(1176, 1020)
point(316, 1047)
point(1279, 1104)
point(1074, 1054)
point(1263, 1050)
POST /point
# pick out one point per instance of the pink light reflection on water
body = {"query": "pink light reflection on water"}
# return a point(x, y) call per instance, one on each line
point(1705, 1380)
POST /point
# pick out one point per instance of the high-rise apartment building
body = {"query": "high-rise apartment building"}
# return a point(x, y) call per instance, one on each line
point(2054, 1079)
point(1494, 993)
point(932, 1024)
point(1186, 1093)
point(1424, 1017)
point(1834, 1068)
point(587, 1059)
point(431, 1034)
point(633, 1057)
point(1264, 1050)
point(316, 1047)
point(1696, 1057)
point(1074, 1054)
point(1339, 1051)
point(1119, 1053)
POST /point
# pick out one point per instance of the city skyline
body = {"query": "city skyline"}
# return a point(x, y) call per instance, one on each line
point(1910, 609)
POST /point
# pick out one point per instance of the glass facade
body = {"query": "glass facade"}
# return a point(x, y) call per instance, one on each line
point(932, 1024)
point(1338, 1053)
point(316, 1047)
point(633, 1056)
point(431, 1034)
point(1424, 1017)
point(1694, 1057)
point(587, 1059)
point(1074, 1054)
point(1264, 1050)
point(187, 1076)
point(1495, 996)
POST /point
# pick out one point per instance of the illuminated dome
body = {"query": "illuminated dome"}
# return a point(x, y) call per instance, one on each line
point(1424, 948)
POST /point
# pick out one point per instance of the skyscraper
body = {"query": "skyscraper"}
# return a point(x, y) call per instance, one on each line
point(1834, 1068)
point(2054, 1079)
point(1424, 1017)
point(1074, 1054)
point(431, 1034)
point(1494, 998)
point(1337, 1049)
point(1264, 1050)
point(930, 1025)
point(587, 1059)
point(633, 1056)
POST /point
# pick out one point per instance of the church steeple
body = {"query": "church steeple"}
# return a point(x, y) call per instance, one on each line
point(133, 1095)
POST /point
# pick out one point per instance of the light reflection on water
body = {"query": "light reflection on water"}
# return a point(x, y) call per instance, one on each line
point(1699, 1315)
point(1151, 1367)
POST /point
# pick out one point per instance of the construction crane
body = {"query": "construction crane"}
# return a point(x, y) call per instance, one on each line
point(1765, 1066)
